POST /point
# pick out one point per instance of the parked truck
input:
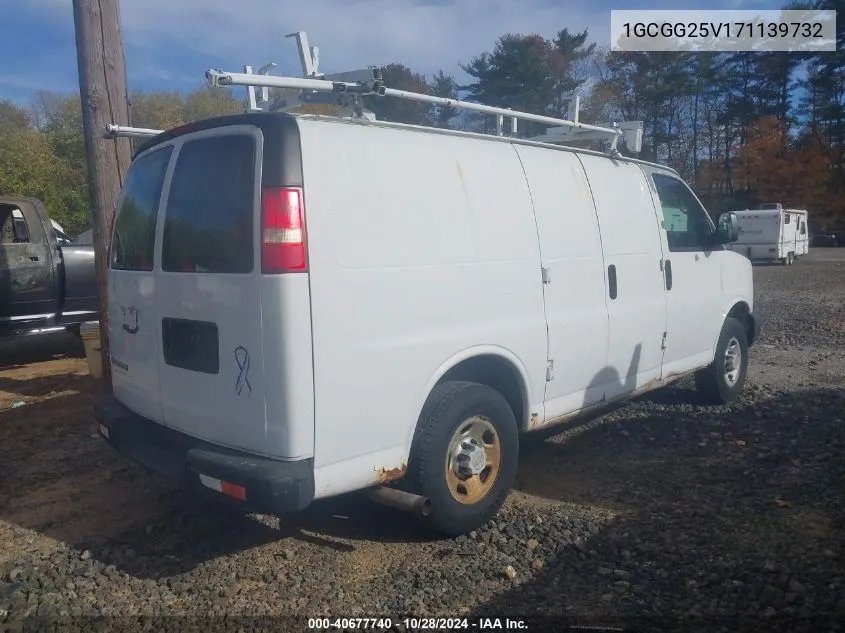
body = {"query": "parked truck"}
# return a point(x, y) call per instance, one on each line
point(772, 233)
point(46, 280)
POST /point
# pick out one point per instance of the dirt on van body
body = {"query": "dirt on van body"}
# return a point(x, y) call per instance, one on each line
point(665, 515)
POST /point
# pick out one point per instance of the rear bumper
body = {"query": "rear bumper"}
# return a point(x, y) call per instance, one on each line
point(256, 483)
point(756, 327)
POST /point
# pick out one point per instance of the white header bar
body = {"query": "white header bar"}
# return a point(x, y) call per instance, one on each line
point(723, 30)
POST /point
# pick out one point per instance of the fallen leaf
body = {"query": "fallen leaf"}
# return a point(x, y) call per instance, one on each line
point(783, 504)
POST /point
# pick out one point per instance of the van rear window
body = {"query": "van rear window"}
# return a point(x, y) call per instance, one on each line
point(209, 217)
point(135, 225)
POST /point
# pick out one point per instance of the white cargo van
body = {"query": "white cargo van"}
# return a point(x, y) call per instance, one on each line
point(301, 307)
point(772, 233)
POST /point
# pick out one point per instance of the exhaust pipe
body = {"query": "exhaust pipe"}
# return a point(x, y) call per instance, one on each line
point(415, 504)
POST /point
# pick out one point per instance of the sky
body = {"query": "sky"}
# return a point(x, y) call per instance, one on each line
point(169, 44)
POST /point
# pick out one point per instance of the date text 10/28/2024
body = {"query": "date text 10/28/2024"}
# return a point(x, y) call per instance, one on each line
point(417, 624)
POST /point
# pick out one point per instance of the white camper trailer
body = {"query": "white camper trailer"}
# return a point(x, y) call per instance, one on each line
point(771, 232)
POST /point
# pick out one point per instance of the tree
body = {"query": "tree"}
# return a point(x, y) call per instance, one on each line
point(400, 77)
point(529, 73)
point(568, 66)
point(778, 168)
point(158, 110)
point(208, 101)
point(519, 74)
point(27, 163)
point(443, 85)
point(12, 116)
point(62, 126)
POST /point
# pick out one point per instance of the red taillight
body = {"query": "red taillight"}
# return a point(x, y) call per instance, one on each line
point(282, 231)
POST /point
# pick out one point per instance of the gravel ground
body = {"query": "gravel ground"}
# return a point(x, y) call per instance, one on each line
point(662, 516)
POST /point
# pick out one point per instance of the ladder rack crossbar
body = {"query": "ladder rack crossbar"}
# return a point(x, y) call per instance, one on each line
point(126, 131)
point(219, 78)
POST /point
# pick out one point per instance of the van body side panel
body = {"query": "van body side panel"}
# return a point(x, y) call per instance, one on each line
point(420, 246)
point(288, 366)
point(630, 237)
point(575, 297)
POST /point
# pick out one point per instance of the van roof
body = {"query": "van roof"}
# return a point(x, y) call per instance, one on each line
point(259, 118)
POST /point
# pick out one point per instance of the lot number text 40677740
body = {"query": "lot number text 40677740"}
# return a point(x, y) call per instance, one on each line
point(418, 624)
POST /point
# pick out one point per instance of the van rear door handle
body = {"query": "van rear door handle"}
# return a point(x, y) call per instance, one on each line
point(611, 281)
point(668, 271)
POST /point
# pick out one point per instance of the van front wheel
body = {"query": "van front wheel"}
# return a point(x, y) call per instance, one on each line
point(723, 380)
point(464, 455)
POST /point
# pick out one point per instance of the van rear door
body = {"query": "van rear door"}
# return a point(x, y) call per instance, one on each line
point(133, 315)
point(209, 290)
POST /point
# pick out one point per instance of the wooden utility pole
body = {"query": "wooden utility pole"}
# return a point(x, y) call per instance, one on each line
point(102, 86)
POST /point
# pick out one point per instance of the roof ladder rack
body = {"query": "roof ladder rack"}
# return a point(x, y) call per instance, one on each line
point(375, 86)
point(347, 90)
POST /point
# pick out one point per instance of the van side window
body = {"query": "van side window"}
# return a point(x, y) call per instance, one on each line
point(803, 228)
point(13, 227)
point(209, 217)
point(135, 225)
point(787, 218)
point(685, 220)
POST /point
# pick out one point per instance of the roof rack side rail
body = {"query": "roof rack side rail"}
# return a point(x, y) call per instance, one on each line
point(375, 86)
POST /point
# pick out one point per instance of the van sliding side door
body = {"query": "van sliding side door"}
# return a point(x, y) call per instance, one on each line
point(636, 297)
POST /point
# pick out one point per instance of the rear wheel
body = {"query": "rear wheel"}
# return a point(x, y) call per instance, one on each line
point(464, 456)
point(722, 381)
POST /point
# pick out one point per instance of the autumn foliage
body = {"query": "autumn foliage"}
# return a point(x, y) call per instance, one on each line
point(795, 170)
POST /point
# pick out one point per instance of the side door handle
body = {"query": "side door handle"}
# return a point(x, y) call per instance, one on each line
point(611, 280)
point(667, 269)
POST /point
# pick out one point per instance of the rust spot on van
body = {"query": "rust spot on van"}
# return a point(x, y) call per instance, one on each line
point(660, 382)
point(386, 475)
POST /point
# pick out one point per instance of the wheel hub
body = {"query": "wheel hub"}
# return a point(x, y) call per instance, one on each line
point(733, 362)
point(471, 458)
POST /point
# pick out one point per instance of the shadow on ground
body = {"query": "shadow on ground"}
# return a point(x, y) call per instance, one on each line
point(730, 518)
point(19, 351)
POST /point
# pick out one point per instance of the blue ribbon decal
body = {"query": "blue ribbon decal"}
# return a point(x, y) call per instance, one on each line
point(242, 361)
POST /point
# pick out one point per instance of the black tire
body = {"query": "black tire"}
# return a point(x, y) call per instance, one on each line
point(448, 408)
point(714, 382)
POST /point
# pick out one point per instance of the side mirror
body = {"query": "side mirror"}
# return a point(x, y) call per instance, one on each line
point(727, 228)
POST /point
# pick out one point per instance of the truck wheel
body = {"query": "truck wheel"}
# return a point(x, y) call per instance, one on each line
point(464, 456)
point(722, 381)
